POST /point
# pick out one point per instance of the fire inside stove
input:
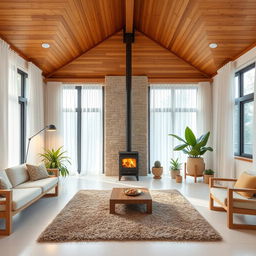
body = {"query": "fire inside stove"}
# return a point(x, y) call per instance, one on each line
point(129, 163)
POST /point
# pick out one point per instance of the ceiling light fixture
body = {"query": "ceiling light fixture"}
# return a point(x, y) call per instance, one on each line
point(45, 45)
point(213, 45)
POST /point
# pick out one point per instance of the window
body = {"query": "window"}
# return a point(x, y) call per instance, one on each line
point(172, 108)
point(83, 127)
point(243, 118)
point(22, 83)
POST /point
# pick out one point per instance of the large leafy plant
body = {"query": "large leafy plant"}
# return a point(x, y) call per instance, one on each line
point(192, 146)
point(56, 159)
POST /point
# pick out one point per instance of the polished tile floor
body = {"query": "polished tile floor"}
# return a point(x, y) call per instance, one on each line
point(31, 222)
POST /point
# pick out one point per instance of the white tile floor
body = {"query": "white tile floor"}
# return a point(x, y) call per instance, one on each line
point(31, 222)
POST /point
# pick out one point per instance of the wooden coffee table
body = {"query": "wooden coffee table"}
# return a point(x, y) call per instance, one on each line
point(118, 197)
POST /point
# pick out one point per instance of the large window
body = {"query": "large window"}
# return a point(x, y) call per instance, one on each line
point(172, 108)
point(17, 106)
point(83, 127)
point(243, 127)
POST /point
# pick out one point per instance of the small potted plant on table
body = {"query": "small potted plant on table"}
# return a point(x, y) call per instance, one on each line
point(175, 168)
point(207, 174)
point(157, 170)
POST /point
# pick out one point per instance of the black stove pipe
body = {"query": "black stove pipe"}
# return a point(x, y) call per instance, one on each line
point(129, 39)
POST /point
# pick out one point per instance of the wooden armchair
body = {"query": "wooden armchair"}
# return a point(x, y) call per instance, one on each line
point(232, 202)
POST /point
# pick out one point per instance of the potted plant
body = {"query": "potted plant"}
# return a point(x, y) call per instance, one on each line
point(194, 148)
point(175, 168)
point(207, 174)
point(56, 159)
point(157, 170)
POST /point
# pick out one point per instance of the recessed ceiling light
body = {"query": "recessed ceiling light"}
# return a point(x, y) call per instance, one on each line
point(213, 45)
point(45, 45)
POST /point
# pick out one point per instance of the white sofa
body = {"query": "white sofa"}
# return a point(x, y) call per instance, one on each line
point(23, 192)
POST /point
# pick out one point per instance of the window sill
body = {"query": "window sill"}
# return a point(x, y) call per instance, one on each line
point(243, 159)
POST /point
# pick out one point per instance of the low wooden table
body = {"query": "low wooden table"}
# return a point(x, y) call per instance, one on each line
point(118, 197)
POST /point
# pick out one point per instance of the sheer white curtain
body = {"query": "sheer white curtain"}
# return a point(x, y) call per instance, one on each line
point(53, 114)
point(4, 77)
point(172, 108)
point(204, 117)
point(69, 117)
point(223, 110)
point(92, 130)
point(14, 92)
point(35, 112)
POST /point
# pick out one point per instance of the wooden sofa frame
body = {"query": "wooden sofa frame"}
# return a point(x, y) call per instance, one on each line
point(9, 213)
point(229, 208)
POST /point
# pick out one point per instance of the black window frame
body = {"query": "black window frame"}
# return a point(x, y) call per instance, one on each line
point(22, 100)
point(240, 101)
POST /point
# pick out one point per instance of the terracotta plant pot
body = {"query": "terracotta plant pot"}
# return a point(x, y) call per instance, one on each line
point(157, 172)
point(195, 165)
point(207, 178)
point(178, 178)
point(174, 173)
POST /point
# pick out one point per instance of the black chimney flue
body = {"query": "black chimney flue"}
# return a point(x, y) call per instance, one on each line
point(129, 39)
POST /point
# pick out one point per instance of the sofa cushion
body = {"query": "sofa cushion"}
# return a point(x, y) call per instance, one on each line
point(21, 197)
point(17, 174)
point(37, 172)
point(44, 184)
point(246, 180)
point(221, 195)
point(5, 179)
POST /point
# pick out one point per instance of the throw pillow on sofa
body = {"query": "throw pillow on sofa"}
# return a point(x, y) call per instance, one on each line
point(246, 180)
point(3, 184)
point(37, 172)
point(4, 181)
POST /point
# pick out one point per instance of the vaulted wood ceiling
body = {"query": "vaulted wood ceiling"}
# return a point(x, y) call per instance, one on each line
point(86, 41)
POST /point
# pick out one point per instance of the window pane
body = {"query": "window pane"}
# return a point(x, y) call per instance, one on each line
point(236, 130)
point(249, 81)
point(236, 87)
point(248, 127)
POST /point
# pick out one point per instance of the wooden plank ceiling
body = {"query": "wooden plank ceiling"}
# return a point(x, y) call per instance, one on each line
point(86, 38)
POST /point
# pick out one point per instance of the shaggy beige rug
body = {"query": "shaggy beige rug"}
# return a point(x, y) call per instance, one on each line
point(86, 218)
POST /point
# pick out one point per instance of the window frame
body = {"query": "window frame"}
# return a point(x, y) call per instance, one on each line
point(240, 101)
point(22, 100)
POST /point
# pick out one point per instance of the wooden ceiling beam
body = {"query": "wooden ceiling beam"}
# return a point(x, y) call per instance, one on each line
point(129, 15)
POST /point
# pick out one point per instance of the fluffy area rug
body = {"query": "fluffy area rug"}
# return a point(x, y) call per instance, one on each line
point(86, 218)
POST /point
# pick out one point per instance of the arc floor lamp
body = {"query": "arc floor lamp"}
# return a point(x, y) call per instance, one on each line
point(49, 128)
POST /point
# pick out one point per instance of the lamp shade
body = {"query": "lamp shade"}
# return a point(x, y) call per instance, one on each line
point(51, 127)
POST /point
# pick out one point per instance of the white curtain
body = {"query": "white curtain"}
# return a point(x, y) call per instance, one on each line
point(14, 91)
point(172, 108)
point(4, 77)
point(35, 112)
point(223, 110)
point(92, 130)
point(204, 117)
point(53, 114)
point(69, 132)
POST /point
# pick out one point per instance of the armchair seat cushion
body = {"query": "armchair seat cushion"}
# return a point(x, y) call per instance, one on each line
point(221, 195)
point(21, 197)
point(44, 184)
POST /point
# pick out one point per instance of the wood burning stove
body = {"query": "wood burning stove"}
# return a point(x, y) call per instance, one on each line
point(129, 164)
point(129, 160)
